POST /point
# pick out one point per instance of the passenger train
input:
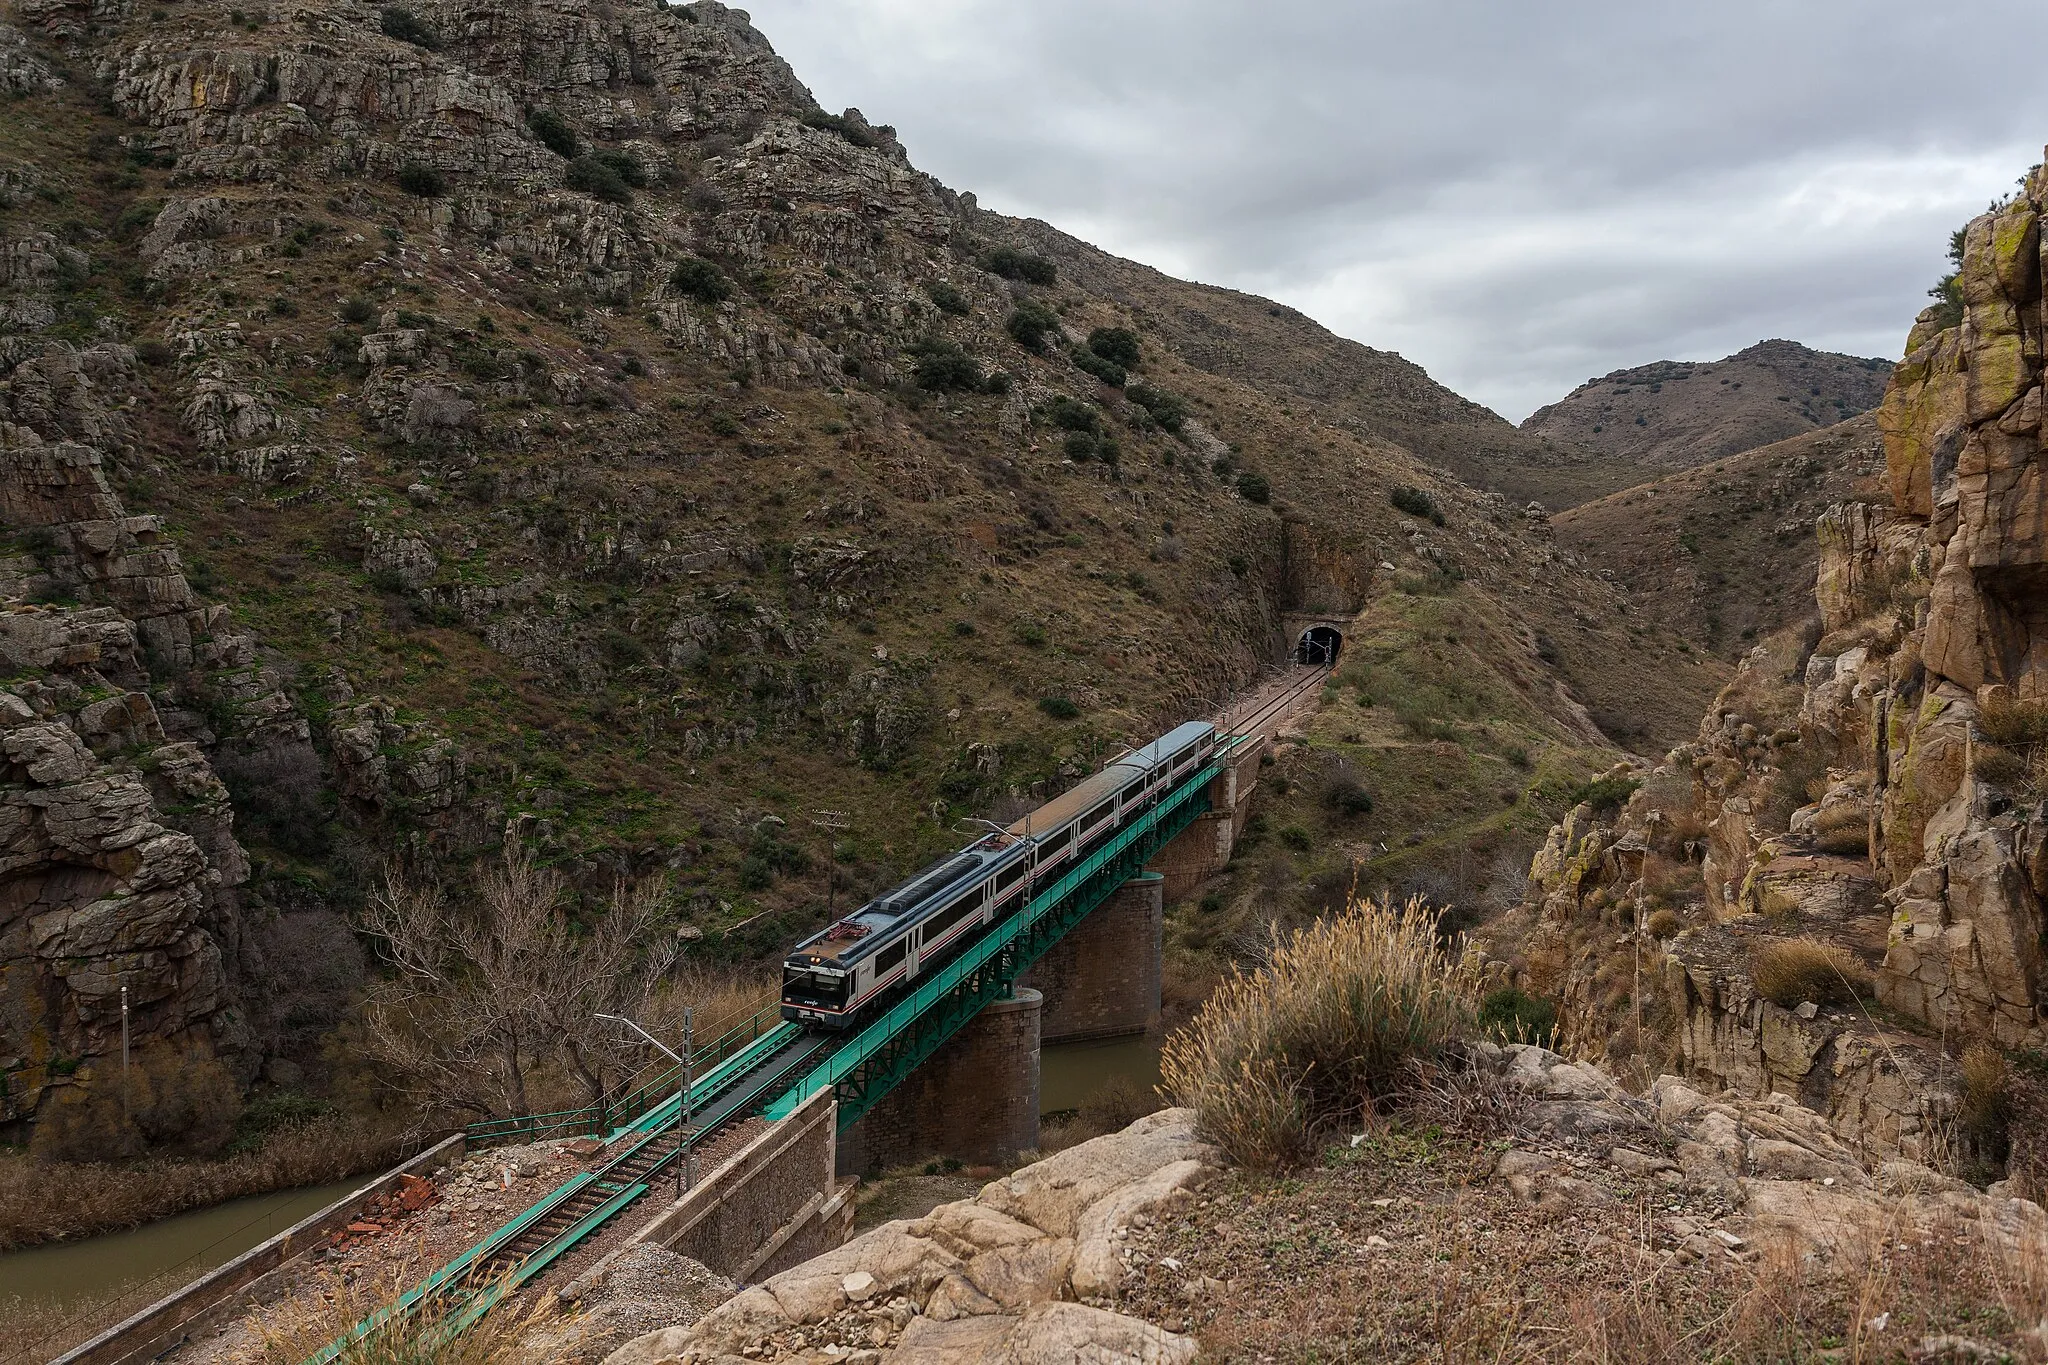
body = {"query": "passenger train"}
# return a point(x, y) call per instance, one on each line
point(836, 977)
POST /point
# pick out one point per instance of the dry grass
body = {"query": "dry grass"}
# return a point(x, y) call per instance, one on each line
point(428, 1337)
point(1986, 1094)
point(2021, 725)
point(1789, 971)
point(106, 1198)
point(1332, 1023)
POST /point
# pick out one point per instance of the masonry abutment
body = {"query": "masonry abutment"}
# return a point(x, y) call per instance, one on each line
point(975, 1099)
point(1102, 979)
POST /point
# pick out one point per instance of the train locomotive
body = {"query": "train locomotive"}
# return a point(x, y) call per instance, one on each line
point(840, 975)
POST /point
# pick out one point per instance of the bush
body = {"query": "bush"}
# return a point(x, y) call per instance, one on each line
point(836, 123)
point(610, 176)
point(1070, 415)
point(1844, 831)
point(996, 383)
point(1059, 708)
point(1117, 345)
point(1347, 796)
point(1415, 503)
point(1013, 264)
point(1515, 1016)
point(1296, 838)
point(1987, 1097)
point(699, 279)
point(1339, 1018)
point(1605, 794)
point(417, 178)
point(947, 299)
point(408, 27)
point(1079, 446)
point(1664, 924)
point(2021, 725)
point(554, 133)
point(1031, 323)
point(1108, 371)
point(357, 310)
point(1254, 488)
point(941, 364)
point(1169, 410)
point(1789, 971)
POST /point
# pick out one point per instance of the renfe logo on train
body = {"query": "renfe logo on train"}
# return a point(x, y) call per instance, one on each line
point(837, 976)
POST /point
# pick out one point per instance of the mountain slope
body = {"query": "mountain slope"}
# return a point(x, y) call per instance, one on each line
point(526, 420)
point(1677, 414)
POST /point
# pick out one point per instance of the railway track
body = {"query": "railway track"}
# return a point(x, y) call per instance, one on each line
point(1266, 711)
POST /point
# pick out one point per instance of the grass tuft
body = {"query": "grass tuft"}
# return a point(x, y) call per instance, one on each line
point(1336, 1021)
point(1789, 971)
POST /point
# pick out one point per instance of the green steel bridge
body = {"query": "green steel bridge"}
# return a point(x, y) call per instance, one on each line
point(768, 1066)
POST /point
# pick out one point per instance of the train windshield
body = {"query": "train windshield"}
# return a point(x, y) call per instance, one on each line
point(825, 990)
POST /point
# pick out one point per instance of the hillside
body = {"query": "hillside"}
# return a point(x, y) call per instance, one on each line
point(1727, 551)
point(1677, 414)
point(429, 427)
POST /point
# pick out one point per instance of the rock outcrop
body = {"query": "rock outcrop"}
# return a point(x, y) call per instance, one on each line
point(1025, 1272)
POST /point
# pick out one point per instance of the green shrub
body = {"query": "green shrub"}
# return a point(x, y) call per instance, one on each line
point(423, 180)
point(1031, 323)
point(941, 364)
point(996, 382)
point(554, 133)
point(1117, 345)
point(1013, 264)
point(1169, 410)
point(357, 310)
point(1790, 971)
point(1254, 488)
point(1339, 1018)
point(946, 298)
point(408, 27)
point(1059, 708)
point(1108, 371)
point(1605, 793)
point(694, 277)
point(1415, 503)
point(1347, 796)
point(1518, 1017)
point(610, 176)
point(1296, 838)
point(1070, 415)
point(1079, 446)
point(836, 123)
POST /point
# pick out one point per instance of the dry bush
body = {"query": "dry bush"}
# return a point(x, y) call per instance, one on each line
point(1788, 971)
point(1844, 830)
point(1986, 1097)
point(304, 1325)
point(2021, 725)
point(102, 1197)
point(1332, 1023)
point(1664, 924)
point(2006, 768)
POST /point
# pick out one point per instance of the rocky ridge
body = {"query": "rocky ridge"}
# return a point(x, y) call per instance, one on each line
point(1681, 414)
point(1124, 1247)
point(1871, 785)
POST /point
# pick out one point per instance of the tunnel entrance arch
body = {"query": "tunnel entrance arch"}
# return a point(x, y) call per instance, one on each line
point(1319, 645)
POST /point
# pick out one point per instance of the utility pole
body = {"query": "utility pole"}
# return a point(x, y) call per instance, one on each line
point(124, 1054)
point(832, 822)
point(683, 1083)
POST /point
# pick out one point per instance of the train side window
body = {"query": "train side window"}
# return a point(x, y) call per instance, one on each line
point(891, 957)
point(1058, 843)
point(1009, 878)
point(1100, 813)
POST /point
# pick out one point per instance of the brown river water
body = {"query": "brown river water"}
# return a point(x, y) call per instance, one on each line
point(176, 1250)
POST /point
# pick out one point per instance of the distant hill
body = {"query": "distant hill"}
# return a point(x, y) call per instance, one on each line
point(1726, 553)
point(1677, 414)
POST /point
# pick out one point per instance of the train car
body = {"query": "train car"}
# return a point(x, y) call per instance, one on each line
point(831, 978)
point(835, 976)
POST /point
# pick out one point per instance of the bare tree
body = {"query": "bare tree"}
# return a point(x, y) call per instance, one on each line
point(495, 992)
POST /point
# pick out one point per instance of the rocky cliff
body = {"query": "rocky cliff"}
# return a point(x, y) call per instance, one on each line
point(1874, 784)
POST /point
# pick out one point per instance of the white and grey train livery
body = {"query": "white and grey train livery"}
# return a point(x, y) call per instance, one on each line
point(835, 977)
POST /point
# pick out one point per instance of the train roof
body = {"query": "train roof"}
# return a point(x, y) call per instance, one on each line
point(843, 940)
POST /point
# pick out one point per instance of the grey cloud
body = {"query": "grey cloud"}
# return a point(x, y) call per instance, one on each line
point(1516, 195)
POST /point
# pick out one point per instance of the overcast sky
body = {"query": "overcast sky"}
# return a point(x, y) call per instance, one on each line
point(1516, 194)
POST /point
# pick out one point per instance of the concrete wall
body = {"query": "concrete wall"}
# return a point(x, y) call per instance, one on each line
point(220, 1294)
point(775, 1202)
point(1102, 979)
point(976, 1098)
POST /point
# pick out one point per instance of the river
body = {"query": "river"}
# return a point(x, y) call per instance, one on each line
point(171, 1250)
point(1068, 1073)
